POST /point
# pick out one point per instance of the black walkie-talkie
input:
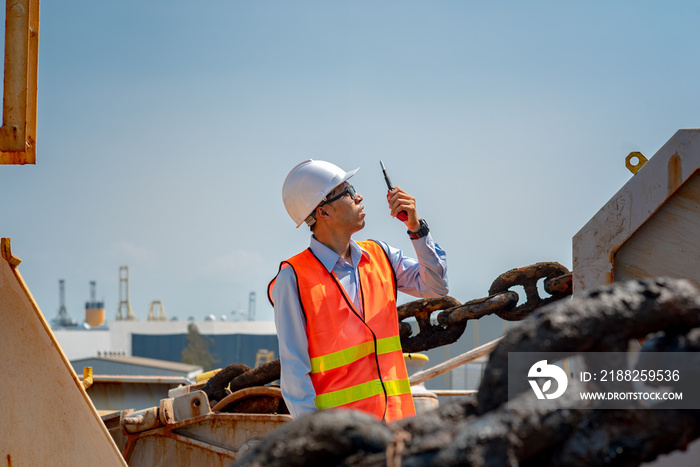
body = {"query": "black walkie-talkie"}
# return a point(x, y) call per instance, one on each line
point(403, 215)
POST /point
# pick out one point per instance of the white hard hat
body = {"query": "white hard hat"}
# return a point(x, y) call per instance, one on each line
point(308, 184)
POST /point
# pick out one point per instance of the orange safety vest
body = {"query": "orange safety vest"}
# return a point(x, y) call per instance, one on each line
point(356, 362)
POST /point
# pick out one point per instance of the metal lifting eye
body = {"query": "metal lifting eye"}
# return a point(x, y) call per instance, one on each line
point(634, 161)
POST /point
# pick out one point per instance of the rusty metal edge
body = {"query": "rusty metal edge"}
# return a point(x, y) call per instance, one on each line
point(7, 253)
point(233, 416)
point(167, 431)
point(133, 441)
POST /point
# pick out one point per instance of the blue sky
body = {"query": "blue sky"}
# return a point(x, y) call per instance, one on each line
point(166, 128)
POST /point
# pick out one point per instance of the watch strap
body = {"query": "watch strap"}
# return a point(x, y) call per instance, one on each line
point(421, 232)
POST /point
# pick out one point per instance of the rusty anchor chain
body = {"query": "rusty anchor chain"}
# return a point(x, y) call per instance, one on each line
point(449, 325)
point(430, 335)
point(241, 389)
point(557, 283)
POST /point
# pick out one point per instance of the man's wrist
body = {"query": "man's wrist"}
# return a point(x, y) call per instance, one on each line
point(421, 232)
point(413, 226)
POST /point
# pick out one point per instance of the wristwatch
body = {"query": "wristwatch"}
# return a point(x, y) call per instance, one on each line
point(420, 233)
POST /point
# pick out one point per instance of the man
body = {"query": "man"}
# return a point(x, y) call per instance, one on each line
point(335, 303)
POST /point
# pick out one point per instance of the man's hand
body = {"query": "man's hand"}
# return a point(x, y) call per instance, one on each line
point(399, 201)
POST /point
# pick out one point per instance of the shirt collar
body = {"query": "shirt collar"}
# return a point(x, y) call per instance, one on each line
point(329, 258)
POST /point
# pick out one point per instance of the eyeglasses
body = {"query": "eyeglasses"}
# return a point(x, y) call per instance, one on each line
point(350, 190)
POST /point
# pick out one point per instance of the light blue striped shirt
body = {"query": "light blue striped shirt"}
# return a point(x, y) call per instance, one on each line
point(424, 277)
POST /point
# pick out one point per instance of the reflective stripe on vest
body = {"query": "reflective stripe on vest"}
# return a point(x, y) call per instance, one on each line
point(353, 354)
point(362, 391)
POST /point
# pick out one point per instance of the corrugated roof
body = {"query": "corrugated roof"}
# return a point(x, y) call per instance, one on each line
point(149, 362)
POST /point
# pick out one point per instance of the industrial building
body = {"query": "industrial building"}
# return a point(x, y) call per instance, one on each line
point(248, 342)
point(118, 363)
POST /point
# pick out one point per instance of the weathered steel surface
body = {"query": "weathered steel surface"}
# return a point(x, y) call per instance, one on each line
point(214, 439)
point(667, 243)
point(184, 430)
point(190, 405)
point(490, 429)
point(596, 245)
point(46, 414)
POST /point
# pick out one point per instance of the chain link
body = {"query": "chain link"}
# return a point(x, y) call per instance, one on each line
point(449, 325)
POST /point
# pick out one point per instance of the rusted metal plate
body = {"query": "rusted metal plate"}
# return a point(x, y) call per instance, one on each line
point(190, 405)
point(215, 439)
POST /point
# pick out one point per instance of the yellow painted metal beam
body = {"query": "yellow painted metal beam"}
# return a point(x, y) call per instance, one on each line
point(18, 130)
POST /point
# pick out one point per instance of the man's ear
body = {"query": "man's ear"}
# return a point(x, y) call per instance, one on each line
point(321, 213)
